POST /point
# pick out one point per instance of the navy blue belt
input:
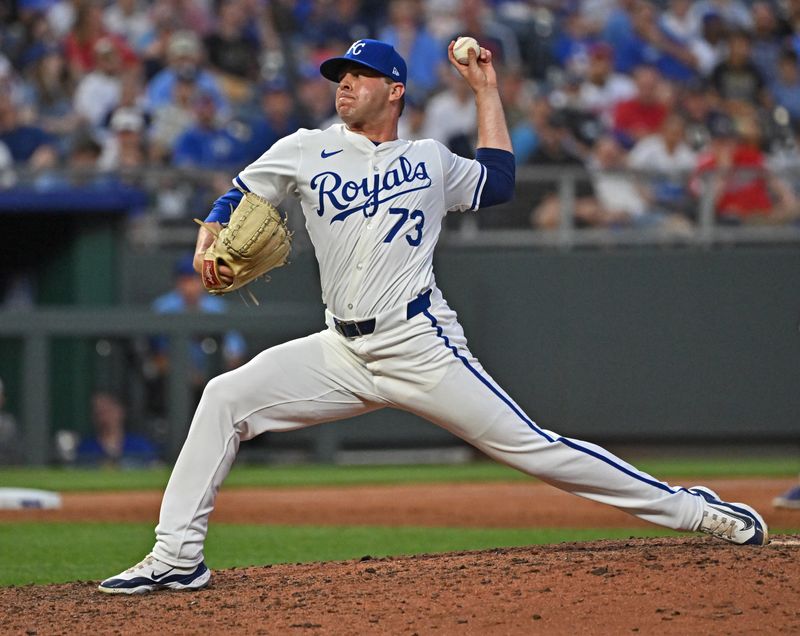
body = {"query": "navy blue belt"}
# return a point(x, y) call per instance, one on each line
point(354, 328)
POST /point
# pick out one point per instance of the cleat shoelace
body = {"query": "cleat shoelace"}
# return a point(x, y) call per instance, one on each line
point(721, 526)
point(146, 561)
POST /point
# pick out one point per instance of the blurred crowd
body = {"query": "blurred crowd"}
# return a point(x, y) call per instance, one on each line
point(652, 104)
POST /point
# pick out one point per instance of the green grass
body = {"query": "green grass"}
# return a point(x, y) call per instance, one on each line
point(74, 479)
point(60, 552)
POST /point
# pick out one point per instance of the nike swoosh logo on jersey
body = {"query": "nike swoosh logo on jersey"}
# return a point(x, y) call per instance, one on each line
point(156, 577)
point(325, 154)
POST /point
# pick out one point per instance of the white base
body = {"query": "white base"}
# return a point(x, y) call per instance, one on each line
point(28, 498)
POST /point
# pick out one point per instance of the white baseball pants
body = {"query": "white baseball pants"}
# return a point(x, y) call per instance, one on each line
point(420, 364)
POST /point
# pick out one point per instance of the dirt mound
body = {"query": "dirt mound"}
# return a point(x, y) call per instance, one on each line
point(666, 586)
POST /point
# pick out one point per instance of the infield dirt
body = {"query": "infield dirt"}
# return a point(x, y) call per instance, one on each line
point(689, 584)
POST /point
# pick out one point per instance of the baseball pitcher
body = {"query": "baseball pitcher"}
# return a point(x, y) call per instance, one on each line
point(374, 206)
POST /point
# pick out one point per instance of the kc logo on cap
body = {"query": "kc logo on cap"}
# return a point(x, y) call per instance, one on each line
point(355, 48)
point(373, 54)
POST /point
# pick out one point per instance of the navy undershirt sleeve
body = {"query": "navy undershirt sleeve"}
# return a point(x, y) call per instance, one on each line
point(500, 170)
point(221, 210)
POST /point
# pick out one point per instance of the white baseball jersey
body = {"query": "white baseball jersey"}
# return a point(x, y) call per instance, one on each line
point(374, 213)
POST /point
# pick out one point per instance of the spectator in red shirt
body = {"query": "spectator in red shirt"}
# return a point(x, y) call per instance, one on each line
point(734, 166)
point(79, 45)
point(642, 115)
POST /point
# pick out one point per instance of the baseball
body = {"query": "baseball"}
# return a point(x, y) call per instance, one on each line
point(462, 46)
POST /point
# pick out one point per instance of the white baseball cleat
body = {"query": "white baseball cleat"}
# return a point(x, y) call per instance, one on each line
point(734, 522)
point(151, 574)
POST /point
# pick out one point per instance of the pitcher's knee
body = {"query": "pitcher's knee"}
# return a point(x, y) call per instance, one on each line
point(219, 394)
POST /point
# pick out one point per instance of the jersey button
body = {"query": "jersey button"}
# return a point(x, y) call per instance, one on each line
point(360, 266)
point(349, 305)
point(376, 168)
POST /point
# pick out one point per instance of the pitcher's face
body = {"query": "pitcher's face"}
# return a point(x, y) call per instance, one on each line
point(363, 95)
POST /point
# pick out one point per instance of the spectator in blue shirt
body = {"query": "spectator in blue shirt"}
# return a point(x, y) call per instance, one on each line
point(50, 92)
point(785, 89)
point(27, 144)
point(184, 53)
point(572, 46)
point(189, 296)
point(111, 445)
point(648, 43)
point(331, 24)
point(734, 12)
point(206, 144)
point(767, 42)
point(423, 53)
point(276, 118)
point(619, 22)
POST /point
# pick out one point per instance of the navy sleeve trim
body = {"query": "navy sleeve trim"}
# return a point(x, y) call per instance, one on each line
point(222, 208)
point(500, 174)
point(242, 184)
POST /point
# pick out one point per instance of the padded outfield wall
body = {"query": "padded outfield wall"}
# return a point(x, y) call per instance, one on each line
point(660, 344)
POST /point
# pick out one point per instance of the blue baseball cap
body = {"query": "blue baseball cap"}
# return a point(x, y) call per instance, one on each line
point(373, 54)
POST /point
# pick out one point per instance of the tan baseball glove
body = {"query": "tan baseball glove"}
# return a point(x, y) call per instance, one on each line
point(255, 241)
